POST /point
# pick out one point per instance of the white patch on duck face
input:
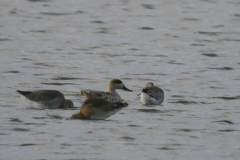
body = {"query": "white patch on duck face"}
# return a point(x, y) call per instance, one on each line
point(146, 99)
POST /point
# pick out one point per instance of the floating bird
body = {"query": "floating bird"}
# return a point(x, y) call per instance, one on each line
point(111, 95)
point(98, 109)
point(152, 95)
point(51, 99)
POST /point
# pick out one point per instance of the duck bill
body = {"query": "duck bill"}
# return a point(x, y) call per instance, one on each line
point(126, 89)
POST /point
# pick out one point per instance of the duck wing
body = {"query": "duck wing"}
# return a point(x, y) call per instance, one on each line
point(154, 92)
point(41, 95)
point(100, 95)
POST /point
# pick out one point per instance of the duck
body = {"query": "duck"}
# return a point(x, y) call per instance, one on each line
point(42, 99)
point(152, 95)
point(98, 109)
point(111, 95)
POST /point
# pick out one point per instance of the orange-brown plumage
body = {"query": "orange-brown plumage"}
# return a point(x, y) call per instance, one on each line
point(98, 109)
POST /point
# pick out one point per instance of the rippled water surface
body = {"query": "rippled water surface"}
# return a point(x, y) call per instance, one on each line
point(191, 49)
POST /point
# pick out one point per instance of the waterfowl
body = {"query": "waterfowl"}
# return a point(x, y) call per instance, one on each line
point(51, 99)
point(152, 95)
point(98, 109)
point(111, 95)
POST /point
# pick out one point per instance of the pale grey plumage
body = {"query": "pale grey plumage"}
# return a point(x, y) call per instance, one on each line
point(46, 99)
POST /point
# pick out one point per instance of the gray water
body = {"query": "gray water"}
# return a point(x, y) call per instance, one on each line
point(191, 49)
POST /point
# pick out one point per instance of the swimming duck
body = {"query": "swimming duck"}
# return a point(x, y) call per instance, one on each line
point(51, 99)
point(98, 109)
point(111, 95)
point(152, 95)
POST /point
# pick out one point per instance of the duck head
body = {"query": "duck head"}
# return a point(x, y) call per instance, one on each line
point(117, 84)
point(149, 84)
point(68, 104)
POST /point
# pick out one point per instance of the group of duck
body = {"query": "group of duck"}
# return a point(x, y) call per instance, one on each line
point(98, 104)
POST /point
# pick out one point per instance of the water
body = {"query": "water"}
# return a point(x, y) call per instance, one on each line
point(188, 48)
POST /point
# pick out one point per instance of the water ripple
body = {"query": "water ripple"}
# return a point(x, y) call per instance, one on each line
point(197, 44)
point(223, 68)
point(15, 120)
point(68, 78)
point(185, 102)
point(225, 121)
point(210, 33)
point(5, 39)
point(37, 31)
point(150, 110)
point(3, 134)
point(55, 117)
point(27, 144)
point(97, 22)
point(13, 71)
point(210, 54)
point(166, 148)
point(44, 64)
point(59, 84)
point(134, 125)
point(21, 129)
point(146, 28)
point(39, 0)
point(228, 98)
point(184, 130)
point(148, 6)
point(128, 138)
point(60, 14)
point(229, 39)
point(227, 130)
point(190, 19)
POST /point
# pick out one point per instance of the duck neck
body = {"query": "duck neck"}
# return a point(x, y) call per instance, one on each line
point(110, 90)
point(61, 105)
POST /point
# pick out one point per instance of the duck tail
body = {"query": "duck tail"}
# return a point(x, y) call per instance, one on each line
point(86, 94)
point(24, 93)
